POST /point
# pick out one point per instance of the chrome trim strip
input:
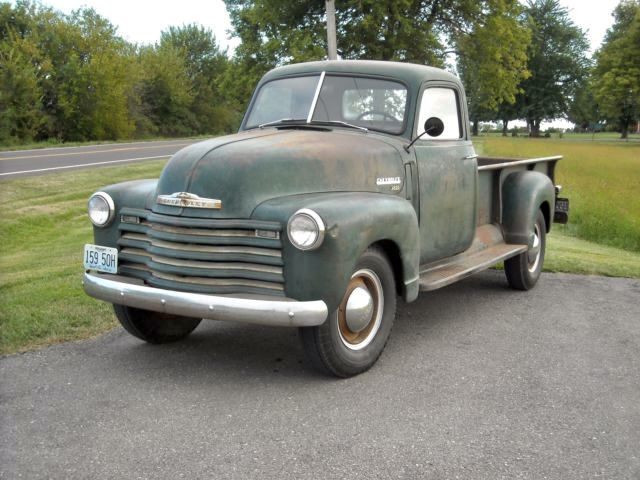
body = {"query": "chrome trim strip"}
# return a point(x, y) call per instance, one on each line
point(217, 281)
point(209, 266)
point(200, 232)
point(188, 200)
point(498, 166)
point(246, 224)
point(201, 248)
point(285, 313)
point(315, 98)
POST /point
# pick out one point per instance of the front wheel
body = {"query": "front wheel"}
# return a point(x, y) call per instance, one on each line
point(354, 336)
point(523, 271)
point(154, 327)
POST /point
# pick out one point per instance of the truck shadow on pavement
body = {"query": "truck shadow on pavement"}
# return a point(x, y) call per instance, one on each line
point(223, 351)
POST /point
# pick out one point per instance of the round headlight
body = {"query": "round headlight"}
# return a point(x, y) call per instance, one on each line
point(305, 229)
point(101, 209)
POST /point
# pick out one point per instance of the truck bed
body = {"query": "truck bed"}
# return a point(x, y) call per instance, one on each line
point(492, 172)
point(489, 246)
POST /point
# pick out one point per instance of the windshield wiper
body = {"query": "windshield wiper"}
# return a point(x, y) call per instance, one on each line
point(282, 121)
point(303, 121)
point(341, 123)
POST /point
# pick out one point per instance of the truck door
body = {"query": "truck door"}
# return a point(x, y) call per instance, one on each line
point(447, 172)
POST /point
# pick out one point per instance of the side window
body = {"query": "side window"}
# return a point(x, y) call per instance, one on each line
point(442, 103)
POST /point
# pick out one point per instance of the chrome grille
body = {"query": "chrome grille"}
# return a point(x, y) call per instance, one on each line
point(201, 255)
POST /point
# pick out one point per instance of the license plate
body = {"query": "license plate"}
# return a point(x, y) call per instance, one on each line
point(562, 205)
point(561, 214)
point(102, 259)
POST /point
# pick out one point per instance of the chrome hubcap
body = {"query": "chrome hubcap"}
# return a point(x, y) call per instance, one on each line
point(360, 312)
point(533, 255)
point(359, 309)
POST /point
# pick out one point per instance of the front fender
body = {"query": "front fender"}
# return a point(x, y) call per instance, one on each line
point(523, 194)
point(133, 194)
point(353, 222)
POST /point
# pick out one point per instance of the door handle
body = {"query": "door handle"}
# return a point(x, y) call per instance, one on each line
point(470, 157)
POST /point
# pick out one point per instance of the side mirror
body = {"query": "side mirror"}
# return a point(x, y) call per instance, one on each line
point(433, 127)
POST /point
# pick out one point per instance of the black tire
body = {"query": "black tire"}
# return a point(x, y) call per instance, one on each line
point(523, 271)
point(154, 327)
point(345, 346)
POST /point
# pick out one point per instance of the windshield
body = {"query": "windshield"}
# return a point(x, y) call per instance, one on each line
point(365, 102)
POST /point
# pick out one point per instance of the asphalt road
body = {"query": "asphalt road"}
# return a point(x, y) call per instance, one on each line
point(24, 163)
point(477, 381)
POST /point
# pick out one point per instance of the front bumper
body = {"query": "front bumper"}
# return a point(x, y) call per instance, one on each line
point(284, 313)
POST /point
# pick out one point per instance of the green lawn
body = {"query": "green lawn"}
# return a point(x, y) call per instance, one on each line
point(43, 226)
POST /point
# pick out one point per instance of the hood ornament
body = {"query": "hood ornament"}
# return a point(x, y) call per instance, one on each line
point(190, 200)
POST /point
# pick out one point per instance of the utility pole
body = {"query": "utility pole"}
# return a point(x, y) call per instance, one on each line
point(332, 52)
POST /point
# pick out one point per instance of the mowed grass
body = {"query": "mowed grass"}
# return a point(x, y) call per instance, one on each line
point(601, 179)
point(43, 228)
point(44, 225)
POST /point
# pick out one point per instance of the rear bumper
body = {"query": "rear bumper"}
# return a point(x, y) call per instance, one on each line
point(284, 313)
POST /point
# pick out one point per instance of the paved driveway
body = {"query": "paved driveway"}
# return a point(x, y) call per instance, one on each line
point(477, 382)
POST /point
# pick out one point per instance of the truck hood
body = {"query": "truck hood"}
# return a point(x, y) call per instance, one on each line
point(248, 168)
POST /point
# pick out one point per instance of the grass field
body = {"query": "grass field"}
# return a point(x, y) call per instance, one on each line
point(43, 226)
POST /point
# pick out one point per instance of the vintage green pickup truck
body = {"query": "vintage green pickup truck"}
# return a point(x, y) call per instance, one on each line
point(349, 183)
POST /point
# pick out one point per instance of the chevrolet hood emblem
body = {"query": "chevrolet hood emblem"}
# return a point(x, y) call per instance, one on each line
point(190, 200)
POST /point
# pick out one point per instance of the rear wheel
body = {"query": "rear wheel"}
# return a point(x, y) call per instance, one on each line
point(154, 327)
point(524, 270)
point(353, 337)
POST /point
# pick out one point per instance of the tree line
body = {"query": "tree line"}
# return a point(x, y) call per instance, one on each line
point(73, 78)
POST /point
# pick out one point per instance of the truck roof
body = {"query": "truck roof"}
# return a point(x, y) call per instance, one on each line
point(410, 73)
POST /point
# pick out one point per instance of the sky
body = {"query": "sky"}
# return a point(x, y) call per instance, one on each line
point(141, 21)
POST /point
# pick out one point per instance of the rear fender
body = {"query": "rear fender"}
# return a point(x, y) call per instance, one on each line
point(523, 194)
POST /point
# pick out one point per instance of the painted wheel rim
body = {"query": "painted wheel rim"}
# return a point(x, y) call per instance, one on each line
point(535, 251)
point(360, 312)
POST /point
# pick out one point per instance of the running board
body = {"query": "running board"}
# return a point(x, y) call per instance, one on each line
point(462, 266)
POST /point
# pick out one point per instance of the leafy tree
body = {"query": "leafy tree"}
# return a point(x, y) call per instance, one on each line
point(507, 112)
point(492, 59)
point(584, 110)
point(20, 94)
point(420, 31)
point(166, 92)
point(93, 86)
point(617, 72)
point(22, 68)
point(205, 66)
point(272, 33)
point(557, 62)
point(76, 73)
